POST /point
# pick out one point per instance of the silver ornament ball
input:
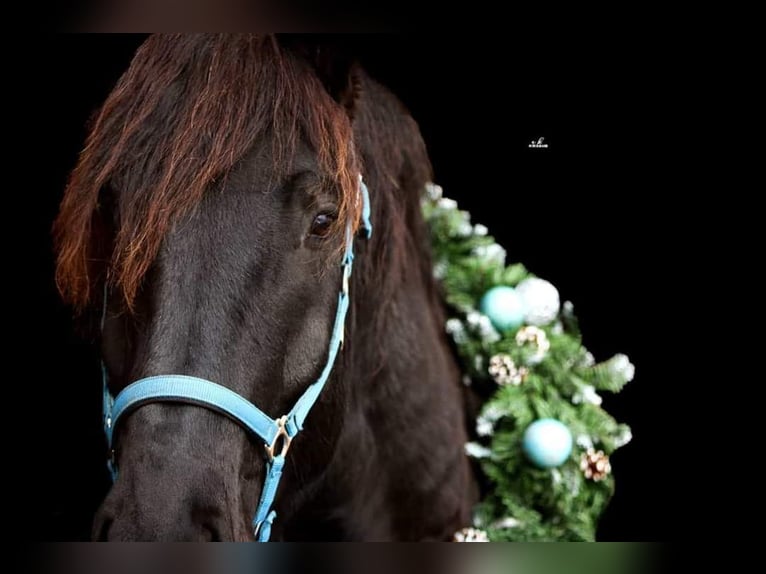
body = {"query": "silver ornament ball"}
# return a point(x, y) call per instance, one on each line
point(541, 301)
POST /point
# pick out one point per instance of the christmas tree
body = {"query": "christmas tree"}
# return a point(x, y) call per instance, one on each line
point(542, 439)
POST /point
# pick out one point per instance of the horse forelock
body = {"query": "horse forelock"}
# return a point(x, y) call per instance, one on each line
point(185, 112)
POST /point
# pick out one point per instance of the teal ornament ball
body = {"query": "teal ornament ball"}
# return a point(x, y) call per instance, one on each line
point(504, 307)
point(547, 443)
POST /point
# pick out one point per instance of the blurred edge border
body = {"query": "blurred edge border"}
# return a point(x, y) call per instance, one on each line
point(554, 558)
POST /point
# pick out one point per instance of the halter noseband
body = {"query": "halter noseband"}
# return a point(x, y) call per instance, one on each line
point(204, 393)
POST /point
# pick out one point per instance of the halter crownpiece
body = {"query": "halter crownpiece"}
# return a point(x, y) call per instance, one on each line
point(204, 393)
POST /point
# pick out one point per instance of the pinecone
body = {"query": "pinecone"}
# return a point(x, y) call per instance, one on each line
point(536, 336)
point(504, 371)
point(595, 465)
point(470, 535)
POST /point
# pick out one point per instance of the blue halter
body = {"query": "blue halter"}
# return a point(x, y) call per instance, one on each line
point(204, 393)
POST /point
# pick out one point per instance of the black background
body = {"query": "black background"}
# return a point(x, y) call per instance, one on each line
point(581, 214)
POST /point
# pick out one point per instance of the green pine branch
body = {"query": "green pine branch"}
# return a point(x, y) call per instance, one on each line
point(525, 502)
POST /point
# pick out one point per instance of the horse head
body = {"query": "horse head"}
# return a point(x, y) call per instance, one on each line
point(215, 202)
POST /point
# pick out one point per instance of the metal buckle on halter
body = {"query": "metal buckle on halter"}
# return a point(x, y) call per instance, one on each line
point(286, 439)
point(346, 277)
point(257, 530)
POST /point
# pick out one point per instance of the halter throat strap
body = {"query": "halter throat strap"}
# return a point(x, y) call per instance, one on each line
point(276, 434)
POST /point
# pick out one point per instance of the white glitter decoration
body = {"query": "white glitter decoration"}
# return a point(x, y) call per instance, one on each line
point(621, 366)
point(433, 191)
point(588, 360)
point(465, 229)
point(484, 427)
point(623, 438)
point(475, 450)
point(584, 441)
point(480, 323)
point(587, 394)
point(455, 328)
point(492, 253)
point(507, 522)
point(480, 230)
point(440, 269)
point(485, 422)
point(446, 203)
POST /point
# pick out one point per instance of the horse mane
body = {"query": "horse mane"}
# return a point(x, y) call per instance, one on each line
point(396, 167)
point(187, 109)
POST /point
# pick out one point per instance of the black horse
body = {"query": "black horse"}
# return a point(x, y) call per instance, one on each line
point(211, 201)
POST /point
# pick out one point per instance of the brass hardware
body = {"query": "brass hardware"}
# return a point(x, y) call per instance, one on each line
point(281, 433)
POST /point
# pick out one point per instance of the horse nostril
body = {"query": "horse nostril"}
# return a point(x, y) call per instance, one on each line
point(207, 519)
point(212, 534)
point(102, 529)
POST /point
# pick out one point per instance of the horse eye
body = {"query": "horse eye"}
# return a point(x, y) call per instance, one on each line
point(321, 225)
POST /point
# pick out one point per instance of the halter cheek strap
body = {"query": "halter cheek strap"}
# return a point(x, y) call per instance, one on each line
point(277, 434)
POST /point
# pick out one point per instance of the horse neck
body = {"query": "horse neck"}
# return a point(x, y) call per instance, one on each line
point(406, 397)
point(396, 324)
point(401, 449)
point(396, 304)
point(396, 297)
point(398, 315)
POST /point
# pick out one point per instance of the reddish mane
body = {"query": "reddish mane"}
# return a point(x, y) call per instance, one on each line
point(188, 108)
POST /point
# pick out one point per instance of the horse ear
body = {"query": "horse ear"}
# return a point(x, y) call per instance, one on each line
point(334, 64)
point(339, 72)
